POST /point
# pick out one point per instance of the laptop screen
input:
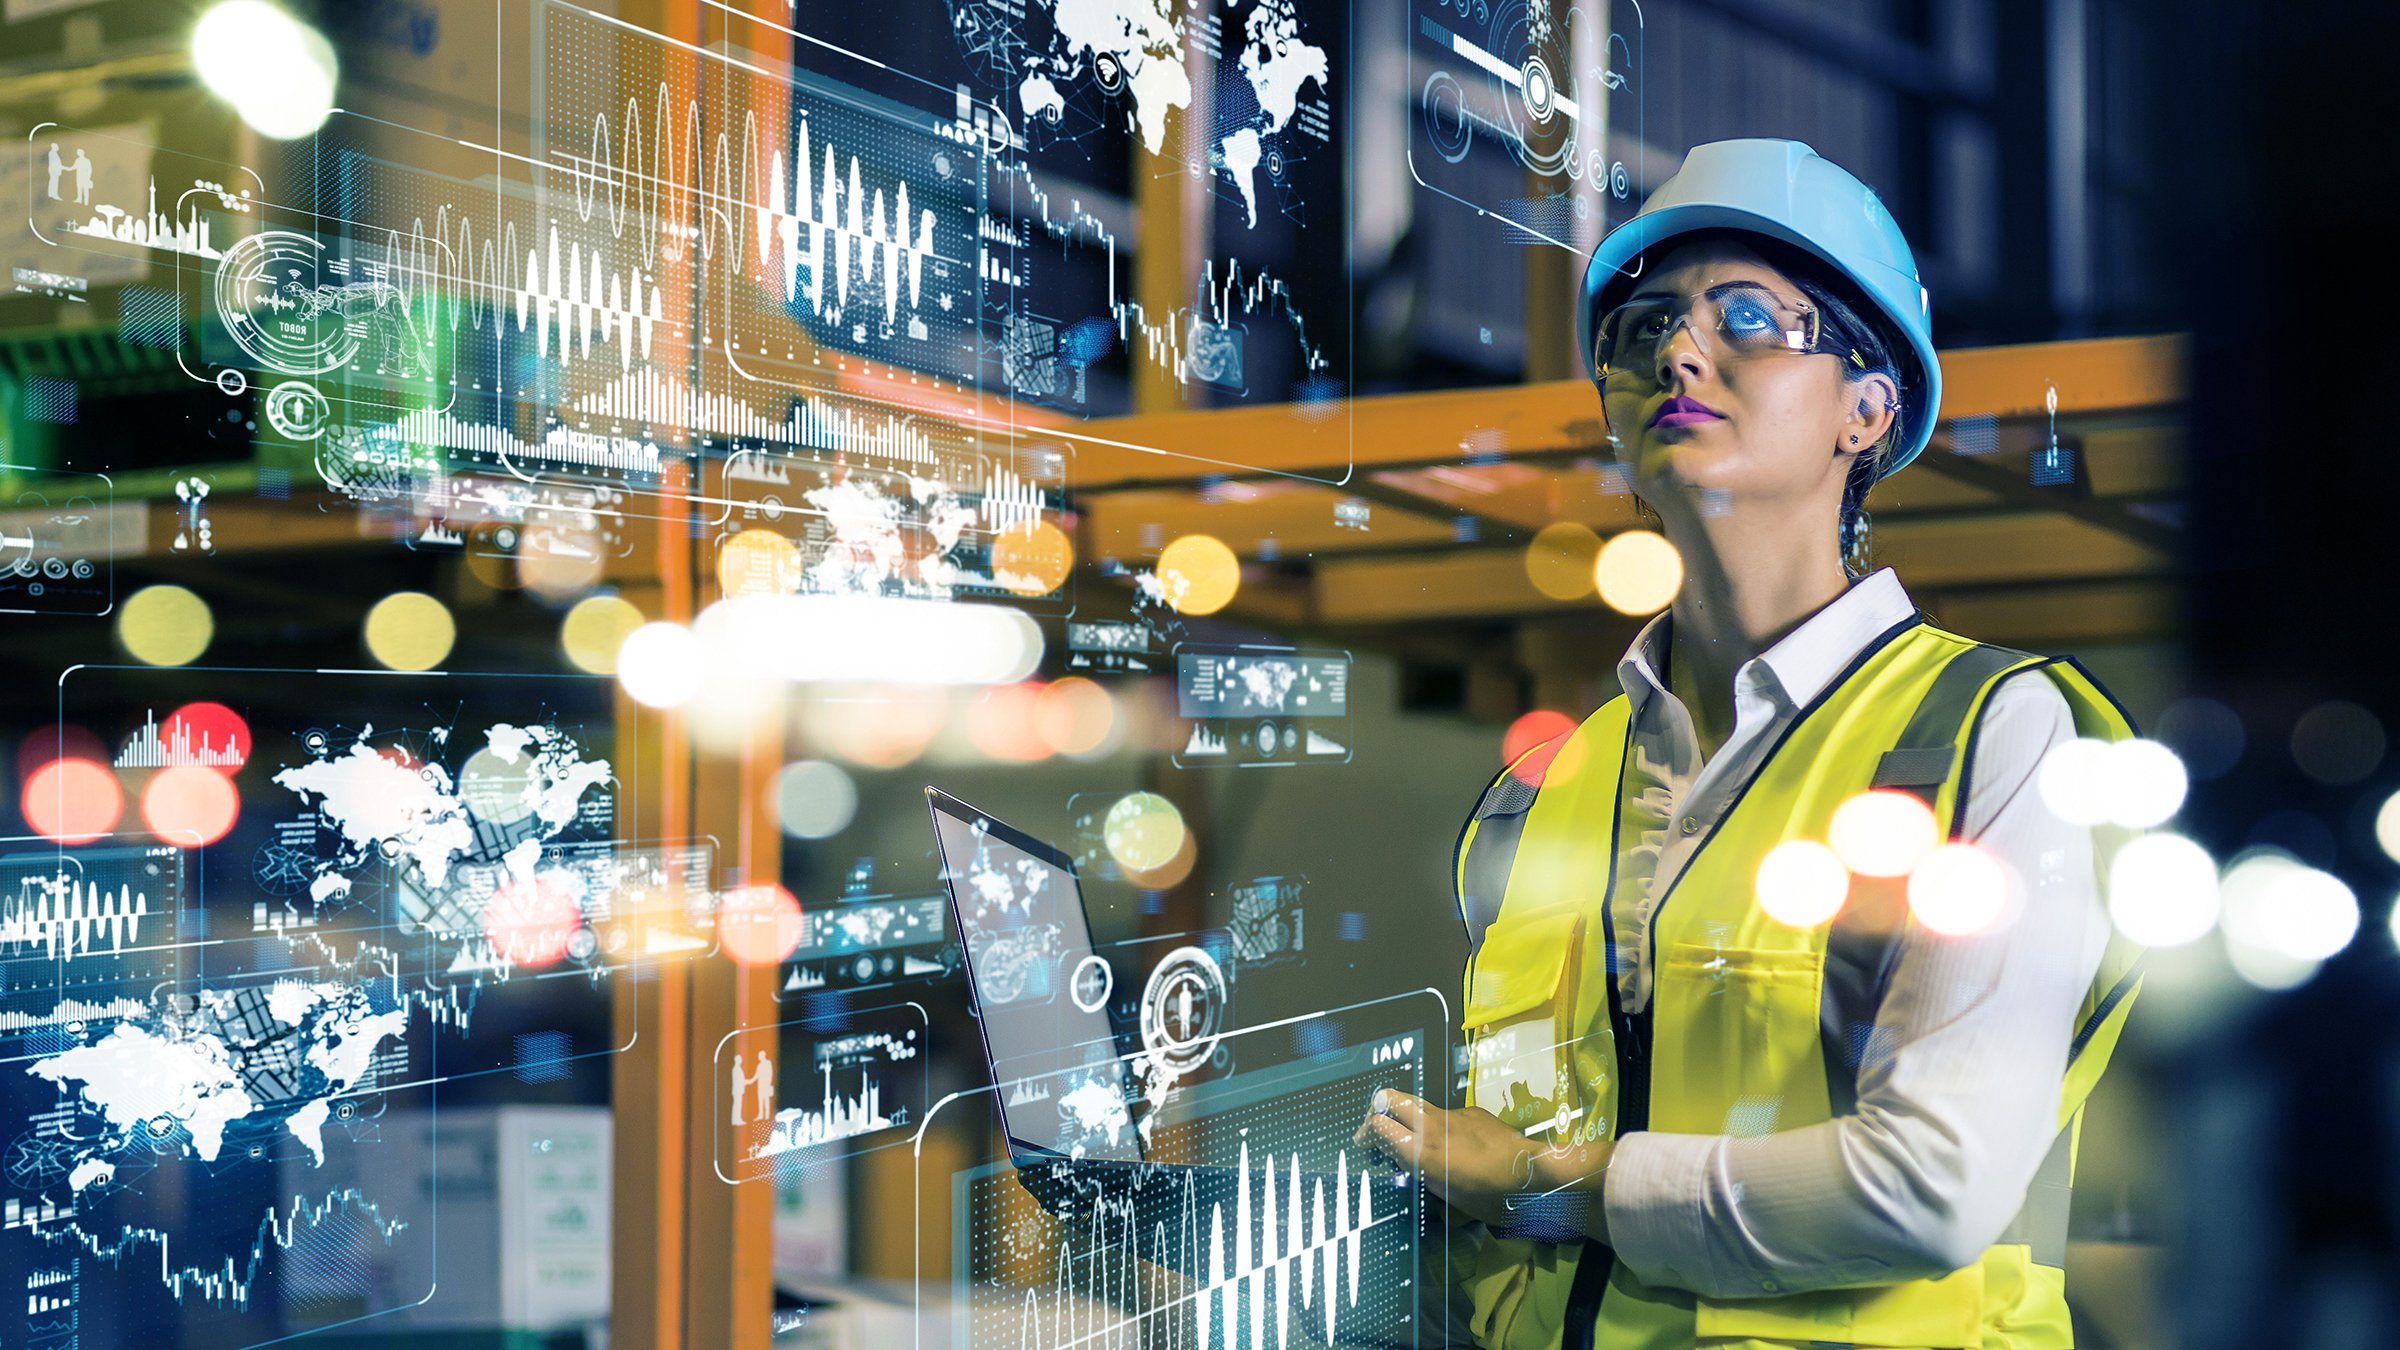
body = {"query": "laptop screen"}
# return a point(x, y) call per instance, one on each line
point(1041, 990)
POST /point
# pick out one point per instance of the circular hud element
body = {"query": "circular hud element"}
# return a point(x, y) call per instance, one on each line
point(1183, 1010)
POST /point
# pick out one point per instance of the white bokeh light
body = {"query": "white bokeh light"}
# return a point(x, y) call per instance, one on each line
point(2146, 783)
point(660, 664)
point(1882, 833)
point(814, 799)
point(1958, 890)
point(2162, 891)
point(1802, 883)
point(2283, 918)
point(2071, 781)
point(2387, 826)
point(276, 71)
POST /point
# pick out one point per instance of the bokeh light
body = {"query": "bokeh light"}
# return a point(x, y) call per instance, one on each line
point(1032, 557)
point(1005, 723)
point(531, 921)
point(2162, 890)
point(814, 799)
point(595, 628)
point(560, 564)
point(758, 925)
point(276, 71)
point(1802, 883)
point(410, 630)
point(1542, 728)
point(165, 626)
point(2337, 743)
point(2135, 783)
point(758, 561)
point(1958, 890)
point(2387, 826)
point(1079, 718)
point(1198, 574)
point(1142, 831)
point(1561, 559)
point(1638, 572)
point(2275, 903)
point(66, 741)
point(2205, 733)
point(1882, 833)
point(73, 801)
point(1170, 873)
point(189, 806)
point(877, 727)
point(659, 665)
point(210, 729)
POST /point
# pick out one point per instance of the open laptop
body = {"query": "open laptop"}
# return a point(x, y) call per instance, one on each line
point(1042, 994)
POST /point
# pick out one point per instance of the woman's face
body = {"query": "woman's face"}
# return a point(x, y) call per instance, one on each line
point(1773, 427)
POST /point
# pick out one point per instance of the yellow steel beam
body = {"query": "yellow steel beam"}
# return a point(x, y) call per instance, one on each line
point(2095, 377)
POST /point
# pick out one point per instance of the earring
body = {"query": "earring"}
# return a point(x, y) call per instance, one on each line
point(1854, 440)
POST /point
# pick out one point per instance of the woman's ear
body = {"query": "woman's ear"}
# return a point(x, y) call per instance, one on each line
point(1874, 408)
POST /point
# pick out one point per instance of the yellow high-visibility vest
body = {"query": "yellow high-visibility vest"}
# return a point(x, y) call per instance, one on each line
point(1753, 1026)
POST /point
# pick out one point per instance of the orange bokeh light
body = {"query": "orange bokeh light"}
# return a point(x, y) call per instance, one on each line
point(758, 925)
point(74, 801)
point(190, 806)
point(1006, 723)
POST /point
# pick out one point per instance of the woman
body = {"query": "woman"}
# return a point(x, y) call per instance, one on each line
point(1703, 1109)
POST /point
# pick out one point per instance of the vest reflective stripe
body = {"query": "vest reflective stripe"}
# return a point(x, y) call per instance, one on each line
point(1757, 1027)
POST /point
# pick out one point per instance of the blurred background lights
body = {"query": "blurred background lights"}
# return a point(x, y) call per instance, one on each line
point(2135, 783)
point(1079, 719)
point(1541, 729)
point(758, 925)
point(659, 665)
point(2162, 890)
point(1638, 572)
point(73, 801)
point(2283, 918)
point(850, 639)
point(1958, 890)
point(276, 71)
point(1561, 559)
point(1005, 723)
point(1198, 574)
point(530, 921)
point(2337, 743)
point(594, 629)
point(558, 564)
point(2387, 826)
point(1142, 831)
point(1882, 833)
point(410, 630)
point(1802, 883)
point(165, 626)
point(814, 799)
point(2205, 733)
point(758, 562)
point(1032, 558)
point(189, 806)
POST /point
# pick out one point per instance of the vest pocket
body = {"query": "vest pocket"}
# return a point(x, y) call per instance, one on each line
point(1735, 1047)
point(1520, 1018)
point(1921, 1313)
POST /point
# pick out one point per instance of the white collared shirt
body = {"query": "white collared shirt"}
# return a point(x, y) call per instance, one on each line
point(1951, 1125)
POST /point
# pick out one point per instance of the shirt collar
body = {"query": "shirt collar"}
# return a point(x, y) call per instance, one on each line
point(1800, 664)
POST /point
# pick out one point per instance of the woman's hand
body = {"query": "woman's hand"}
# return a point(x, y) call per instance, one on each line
point(1478, 1166)
point(1468, 1158)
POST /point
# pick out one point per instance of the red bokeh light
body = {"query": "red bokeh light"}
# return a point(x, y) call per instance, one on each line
point(73, 801)
point(189, 806)
point(209, 726)
point(1542, 728)
point(530, 922)
point(48, 745)
point(758, 925)
point(1007, 723)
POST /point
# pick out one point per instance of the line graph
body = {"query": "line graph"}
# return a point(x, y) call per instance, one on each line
point(229, 1283)
point(68, 916)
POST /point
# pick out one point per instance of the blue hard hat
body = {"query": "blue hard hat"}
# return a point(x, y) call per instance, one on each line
point(1785, 191)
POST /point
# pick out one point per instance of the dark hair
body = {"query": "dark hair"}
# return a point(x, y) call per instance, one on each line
point(1844, 313)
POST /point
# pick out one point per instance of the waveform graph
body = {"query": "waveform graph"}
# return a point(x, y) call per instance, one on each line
point(818, 1087)
point(1258, 1224)
point(85, 937)
point(799, 204)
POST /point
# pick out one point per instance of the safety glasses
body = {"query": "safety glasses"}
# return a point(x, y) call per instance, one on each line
point(1733, 321)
